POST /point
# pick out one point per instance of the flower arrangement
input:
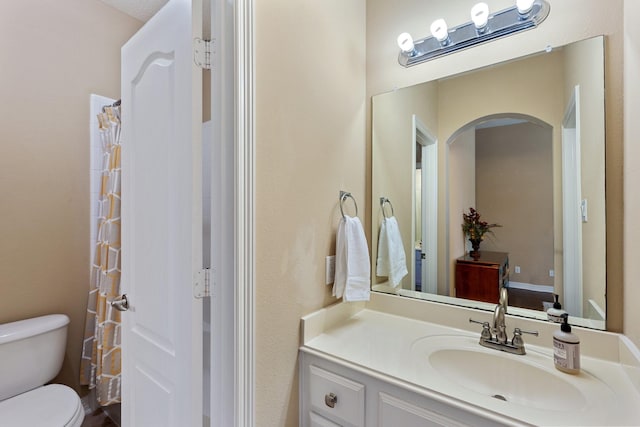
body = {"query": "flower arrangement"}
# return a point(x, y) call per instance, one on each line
point(475, 228)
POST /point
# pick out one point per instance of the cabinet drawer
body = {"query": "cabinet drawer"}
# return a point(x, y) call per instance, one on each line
point(336, 397)
point(397, 412)
point(320, 421)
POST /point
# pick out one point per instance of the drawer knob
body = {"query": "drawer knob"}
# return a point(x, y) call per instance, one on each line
point(330, 400)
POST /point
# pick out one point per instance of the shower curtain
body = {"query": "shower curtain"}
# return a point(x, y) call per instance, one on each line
point(100, 364)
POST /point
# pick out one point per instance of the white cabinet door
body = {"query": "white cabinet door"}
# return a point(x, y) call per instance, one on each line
point(337, 397)
point(162, 220)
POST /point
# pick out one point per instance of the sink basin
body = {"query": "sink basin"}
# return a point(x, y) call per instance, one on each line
point(530, 380)
point(507, 379)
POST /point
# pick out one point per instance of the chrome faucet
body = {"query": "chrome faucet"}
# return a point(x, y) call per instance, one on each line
point(499, 327)
point(495, 336)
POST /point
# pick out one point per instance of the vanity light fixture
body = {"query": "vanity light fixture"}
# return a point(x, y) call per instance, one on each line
point(484, 27)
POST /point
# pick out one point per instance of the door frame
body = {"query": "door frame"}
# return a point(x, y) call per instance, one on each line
point(231, 382)
point(244, 301)
point(429, 206)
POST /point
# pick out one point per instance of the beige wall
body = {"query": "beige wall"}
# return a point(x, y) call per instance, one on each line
point(631, 172)
point(53, 55)
point(461, 169)
point(310, 142)
point(569, 21)
point(514, 188)
point(536, 81)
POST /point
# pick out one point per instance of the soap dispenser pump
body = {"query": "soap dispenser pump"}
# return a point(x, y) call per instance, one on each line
point(566, 348)
point(556, 313)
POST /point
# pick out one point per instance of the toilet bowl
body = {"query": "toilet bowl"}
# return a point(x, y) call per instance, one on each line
point(50, 405)
point(32, 352)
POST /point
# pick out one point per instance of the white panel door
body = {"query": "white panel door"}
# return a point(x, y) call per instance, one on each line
point(162, 220)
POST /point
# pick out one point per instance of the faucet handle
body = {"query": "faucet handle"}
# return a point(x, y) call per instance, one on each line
point(517, 340)
point(518, 331)
point(486, 329)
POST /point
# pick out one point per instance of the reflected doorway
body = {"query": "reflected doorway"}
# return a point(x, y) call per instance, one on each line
point(425, 209)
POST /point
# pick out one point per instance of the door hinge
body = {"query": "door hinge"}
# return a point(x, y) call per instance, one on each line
point(202, 283)
point(202, 53)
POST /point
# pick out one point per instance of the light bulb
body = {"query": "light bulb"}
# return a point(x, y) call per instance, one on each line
point(405, 41)
point(524, 6)
point(439, 30)
point(480, 15)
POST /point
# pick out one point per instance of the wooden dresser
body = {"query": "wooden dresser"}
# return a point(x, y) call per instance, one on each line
point(480, 278)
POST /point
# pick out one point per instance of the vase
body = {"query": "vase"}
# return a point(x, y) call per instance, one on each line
point(475, 245)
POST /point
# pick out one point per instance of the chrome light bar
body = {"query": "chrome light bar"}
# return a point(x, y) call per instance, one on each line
point(500, 24)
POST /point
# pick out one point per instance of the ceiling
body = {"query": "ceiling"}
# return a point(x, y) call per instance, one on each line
point(139, 9)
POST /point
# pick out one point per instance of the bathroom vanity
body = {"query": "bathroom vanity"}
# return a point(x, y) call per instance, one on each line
point(340, 395)
point(388, 363)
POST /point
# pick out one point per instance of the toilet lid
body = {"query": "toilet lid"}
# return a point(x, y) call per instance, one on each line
point(53, 405)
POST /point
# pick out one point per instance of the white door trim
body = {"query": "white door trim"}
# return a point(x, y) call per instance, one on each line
point(245, 215)
point(571, 200)
point(222, 381)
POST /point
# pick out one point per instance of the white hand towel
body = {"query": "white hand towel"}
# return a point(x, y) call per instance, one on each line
point(353, 277)
point(391, 260)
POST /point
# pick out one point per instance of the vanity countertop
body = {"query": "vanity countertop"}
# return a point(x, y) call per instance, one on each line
point(385, 344)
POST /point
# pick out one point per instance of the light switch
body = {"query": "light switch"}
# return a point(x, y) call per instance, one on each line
point(583, 210)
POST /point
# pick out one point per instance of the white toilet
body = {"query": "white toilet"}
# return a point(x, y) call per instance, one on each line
point(31, 354)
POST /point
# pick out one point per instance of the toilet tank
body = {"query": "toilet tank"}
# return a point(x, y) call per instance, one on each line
point(31, 352)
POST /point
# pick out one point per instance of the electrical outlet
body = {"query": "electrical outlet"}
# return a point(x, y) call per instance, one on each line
point(329, 269)
point(517, 269)
point(552, 273)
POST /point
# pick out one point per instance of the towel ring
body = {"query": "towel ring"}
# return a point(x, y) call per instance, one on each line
point(343, 197)
point(384, 200)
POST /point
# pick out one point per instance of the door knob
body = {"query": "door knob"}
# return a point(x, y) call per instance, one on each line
point(120, 303)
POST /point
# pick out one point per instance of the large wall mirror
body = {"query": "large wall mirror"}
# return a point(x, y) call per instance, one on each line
point(523, 143)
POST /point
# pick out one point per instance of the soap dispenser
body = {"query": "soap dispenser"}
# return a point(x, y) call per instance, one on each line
point(555, 313)
point(566, 348)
